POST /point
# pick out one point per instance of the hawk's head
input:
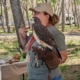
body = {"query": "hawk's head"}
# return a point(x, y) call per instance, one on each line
point(36, 20)
point(36, 23)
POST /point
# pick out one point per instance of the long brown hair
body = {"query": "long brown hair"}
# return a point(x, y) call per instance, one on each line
point(53, 19)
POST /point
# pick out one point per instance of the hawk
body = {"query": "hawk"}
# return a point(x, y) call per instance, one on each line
point(43, 36)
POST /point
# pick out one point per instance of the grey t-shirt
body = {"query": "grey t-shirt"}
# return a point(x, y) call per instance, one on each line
point(41, 73)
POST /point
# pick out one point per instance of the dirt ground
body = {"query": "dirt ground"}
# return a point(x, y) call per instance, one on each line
point(72, 69)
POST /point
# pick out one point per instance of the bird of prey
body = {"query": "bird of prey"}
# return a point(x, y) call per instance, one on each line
point(43, 36)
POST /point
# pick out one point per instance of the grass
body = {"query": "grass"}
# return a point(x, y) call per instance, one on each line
point(67, 28)
point(71, 68)
point(63, 68)
point(8, 45)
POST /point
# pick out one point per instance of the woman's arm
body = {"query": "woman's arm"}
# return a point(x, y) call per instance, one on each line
point(23, 36)
point(64, 56)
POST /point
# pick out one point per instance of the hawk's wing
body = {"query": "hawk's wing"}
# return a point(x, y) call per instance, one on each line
point(43, 36)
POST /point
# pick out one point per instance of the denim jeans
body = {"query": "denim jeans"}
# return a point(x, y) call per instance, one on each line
point(58, 78)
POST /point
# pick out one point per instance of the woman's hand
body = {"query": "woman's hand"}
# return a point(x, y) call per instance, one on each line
point(64, 56)
point(23, 36)
point(23, 31)
point(49, 57)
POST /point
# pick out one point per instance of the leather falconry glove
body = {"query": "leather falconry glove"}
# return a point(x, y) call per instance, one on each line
point(42, 53)
point(50, 58)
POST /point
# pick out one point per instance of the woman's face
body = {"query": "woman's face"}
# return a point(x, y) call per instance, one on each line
point(43, 18)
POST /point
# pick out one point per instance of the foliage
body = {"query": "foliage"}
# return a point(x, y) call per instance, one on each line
point(8, 45)
point(67, 28)
point(53, 2)
point(39, 1)
point(70, 67)
point(77, 1)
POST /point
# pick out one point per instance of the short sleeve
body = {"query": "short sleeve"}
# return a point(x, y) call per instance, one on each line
point(60, 40)
point(58, 37)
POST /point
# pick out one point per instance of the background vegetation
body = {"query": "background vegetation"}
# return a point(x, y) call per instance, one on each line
point(15, 14)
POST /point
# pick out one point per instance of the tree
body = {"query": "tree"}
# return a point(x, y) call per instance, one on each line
point(73, 13)
point(1, 15)
point(63, 16)
point(78, 11)
point(6, 16)
point(75, 6)
point(24, 5)
point(26, 9)
point(68, 12)
point(18, 17)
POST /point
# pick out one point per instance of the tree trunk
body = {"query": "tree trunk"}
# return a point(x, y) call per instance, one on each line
point(73, 13)
point(18, 17)
point(32, 3)
point(46, 1)
point(27, 14)
point(68, 12)
point(76, 13)
point(6, 16)
point(2, 16)
point(63, 16)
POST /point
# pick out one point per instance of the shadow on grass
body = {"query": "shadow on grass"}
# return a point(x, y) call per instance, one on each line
point(71, 49)
point(70, 72)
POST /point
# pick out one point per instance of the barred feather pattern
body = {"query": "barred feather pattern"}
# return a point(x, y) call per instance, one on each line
point(44, 34)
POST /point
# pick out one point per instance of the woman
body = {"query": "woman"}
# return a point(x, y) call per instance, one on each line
point(45, 13)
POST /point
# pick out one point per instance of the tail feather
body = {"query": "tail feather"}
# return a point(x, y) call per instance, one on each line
point(57, 52)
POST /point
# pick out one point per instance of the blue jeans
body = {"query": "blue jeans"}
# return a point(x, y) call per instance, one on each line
point(58, 78)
